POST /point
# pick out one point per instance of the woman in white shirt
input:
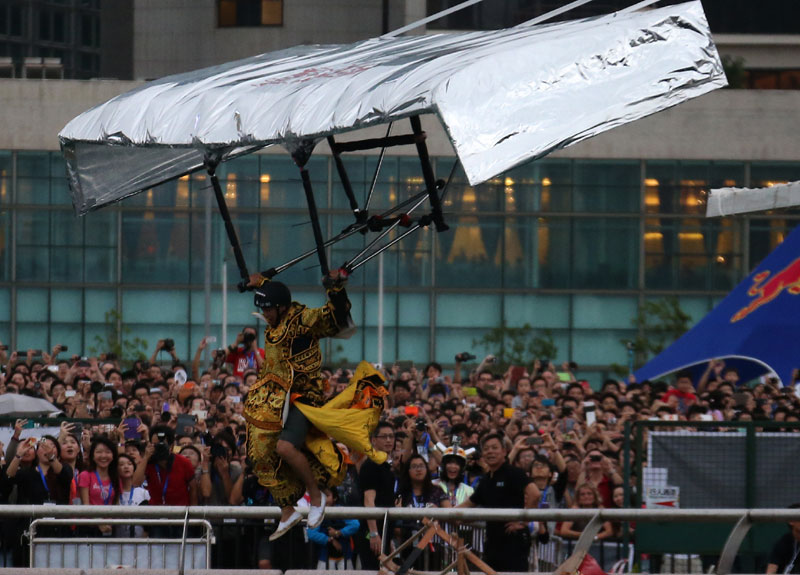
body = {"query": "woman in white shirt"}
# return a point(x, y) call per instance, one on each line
point(129, 494)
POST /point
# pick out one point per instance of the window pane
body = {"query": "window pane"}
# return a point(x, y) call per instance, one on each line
point(5, 177)
point(5, 251)
point(271, 12)
point(280, 185)
point(98, 303)
point(765, 236)
point(413, 344)
point(692, 254)
point(31, 335)
point(414, 310)
point(549, 258)
point(100, 228)
point(33, 264)
point(676, 187)
point(276, 250)
point(70, 335)
point(542, 311)
point(33, 164)
point(66, 305)
point(66, 265)
point(607, 186)
point(155, 307)
point(155, 247)
point(484, 310)
point(471, 253)
point(101, 264)
point(601, 347)
point(66, 229)
point(605, 253)
point(603, 311)
point(32, 305)
point(33, 191)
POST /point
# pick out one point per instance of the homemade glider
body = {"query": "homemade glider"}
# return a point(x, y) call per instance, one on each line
point(504, 97)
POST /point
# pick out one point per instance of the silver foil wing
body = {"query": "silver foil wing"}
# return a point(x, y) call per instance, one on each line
point(729, 201)
point(504, 97)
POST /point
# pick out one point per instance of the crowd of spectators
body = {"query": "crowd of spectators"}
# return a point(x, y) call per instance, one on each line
point(525, 436)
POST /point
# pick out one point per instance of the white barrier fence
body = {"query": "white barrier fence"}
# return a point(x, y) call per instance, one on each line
point(594, 518)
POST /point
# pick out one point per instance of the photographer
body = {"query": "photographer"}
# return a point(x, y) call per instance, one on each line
point(167, 345)
point(244, 354)
point(170, 476)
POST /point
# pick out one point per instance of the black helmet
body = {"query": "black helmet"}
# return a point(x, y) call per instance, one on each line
point(272, 294)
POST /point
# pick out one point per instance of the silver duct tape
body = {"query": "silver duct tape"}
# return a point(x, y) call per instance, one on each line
point(504, 97)
point(729, 201)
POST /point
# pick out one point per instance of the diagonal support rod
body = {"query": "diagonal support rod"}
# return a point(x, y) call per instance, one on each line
point(211, 168)
point(427, 174)
point(312, 212)
point(348, 187)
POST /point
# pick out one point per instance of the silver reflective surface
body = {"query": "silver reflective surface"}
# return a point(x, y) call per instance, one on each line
point(729, 201)
point(504, 97)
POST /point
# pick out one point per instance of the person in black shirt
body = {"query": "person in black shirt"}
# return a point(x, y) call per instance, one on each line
point(378, 484)
point(504, 487)
point(785, 554)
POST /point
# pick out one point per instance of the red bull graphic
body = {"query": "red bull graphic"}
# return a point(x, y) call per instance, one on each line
point(766, 288)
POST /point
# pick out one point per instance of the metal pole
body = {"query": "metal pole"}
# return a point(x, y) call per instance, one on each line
point(312, 212)
point(226, 217)
point(224, 335)
point(207, 278)
point(380, 309)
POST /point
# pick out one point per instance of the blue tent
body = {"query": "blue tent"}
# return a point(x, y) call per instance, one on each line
point(755, 328)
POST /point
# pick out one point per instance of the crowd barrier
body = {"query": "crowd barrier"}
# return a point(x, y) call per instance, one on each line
point(565, 556)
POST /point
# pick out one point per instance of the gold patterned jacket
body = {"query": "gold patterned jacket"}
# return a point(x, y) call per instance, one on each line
point(292, 359)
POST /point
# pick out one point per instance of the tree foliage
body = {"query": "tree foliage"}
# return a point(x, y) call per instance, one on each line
point(117, 340)
point(658, 323)
point(518, 345)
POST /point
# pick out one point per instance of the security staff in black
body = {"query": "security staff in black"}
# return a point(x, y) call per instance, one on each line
point(508, 543)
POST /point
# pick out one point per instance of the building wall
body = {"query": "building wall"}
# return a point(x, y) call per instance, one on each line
point(723, 125)
point(182, 35)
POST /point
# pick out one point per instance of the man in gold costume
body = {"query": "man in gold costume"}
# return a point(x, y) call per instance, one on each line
point(288, 424)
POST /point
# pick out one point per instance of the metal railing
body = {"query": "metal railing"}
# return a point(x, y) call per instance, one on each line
point(128, 552)
point(594, 519)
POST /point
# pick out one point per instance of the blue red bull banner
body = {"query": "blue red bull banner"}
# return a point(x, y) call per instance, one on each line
point(756, 328)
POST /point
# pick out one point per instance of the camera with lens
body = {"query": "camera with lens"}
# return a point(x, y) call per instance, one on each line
point(465, 356)
point(218, 450)
point(97, 386)
point(169, 345)
point(161, 451)
point(421, 425)
point(116, 411)
point(248, 338)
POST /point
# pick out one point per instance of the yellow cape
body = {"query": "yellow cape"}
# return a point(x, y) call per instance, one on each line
point(351, 416)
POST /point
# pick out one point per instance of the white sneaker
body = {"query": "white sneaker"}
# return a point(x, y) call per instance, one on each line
point(285, 526)
point(317, 514)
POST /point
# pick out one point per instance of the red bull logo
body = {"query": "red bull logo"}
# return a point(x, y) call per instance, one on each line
point(766, 288)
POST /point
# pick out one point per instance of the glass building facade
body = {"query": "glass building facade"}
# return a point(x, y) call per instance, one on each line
point(566, 245)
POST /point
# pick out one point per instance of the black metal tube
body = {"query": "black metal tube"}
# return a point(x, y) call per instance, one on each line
point(312, 212)
point(341, 236)
point(427, 174)
point(377, 170)
point(371, 143)
point(353, 267)
point(348, 188)
point(231, 231)
point(382, 235)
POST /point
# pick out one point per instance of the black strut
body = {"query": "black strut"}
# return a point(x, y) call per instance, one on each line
point(427, 174)
point(211, 168)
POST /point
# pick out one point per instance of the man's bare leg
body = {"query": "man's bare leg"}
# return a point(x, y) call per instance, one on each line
point(286, 512)
point(299, 464)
